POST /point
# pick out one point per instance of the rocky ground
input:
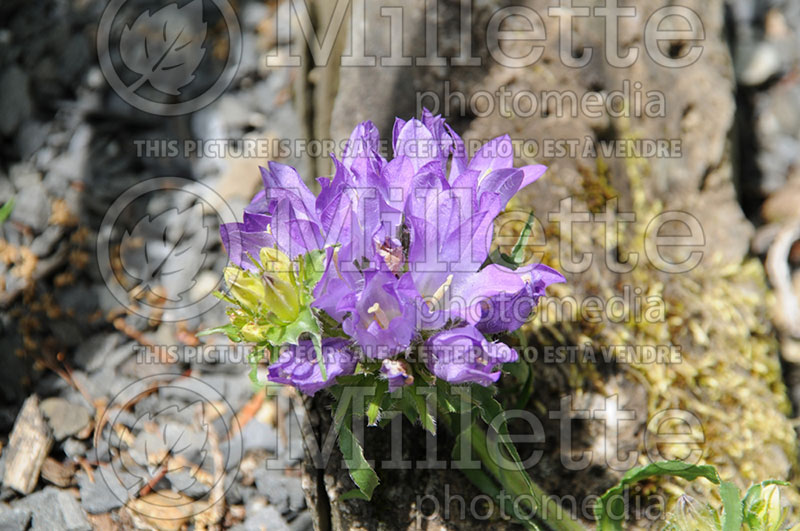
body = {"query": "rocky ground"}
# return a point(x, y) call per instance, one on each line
point(109, 426)
point(101, 437)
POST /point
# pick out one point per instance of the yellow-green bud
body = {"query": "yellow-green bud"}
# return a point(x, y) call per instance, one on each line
point(282, 291)
point(246, 288)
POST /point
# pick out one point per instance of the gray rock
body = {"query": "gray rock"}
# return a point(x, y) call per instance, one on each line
point(32, 207)
point(239, 494)
point(77, 298)
point(232, 450)
point(31, 137)
point(15, 101)
point(265, 518)
point(43, 244)
point(177, 438)
point(185, 482)
point(253, 14)
point(73, 515)
point(15, 284)
point(23, 174)
point(74, 59)
point(66, 331)
point(73, 448)
point(14, 519)
point(259, 436)
point(70, 165)
point(6, 189)
point(268, 482)
point(92, 354)
point(64, 418)
point(110, 489)
point(54, 509)
point(284, 492)
point(294, 488)
point(304, 522)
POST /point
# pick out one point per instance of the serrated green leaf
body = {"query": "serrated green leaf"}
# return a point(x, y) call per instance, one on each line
point(609, 509)
point(360, 470)
point(408, 407)
point(374, 406)
point(290, 333)
point(444, 397)
point(229, 330)
point(732, 506)
point(312, 267)
point(421, 405)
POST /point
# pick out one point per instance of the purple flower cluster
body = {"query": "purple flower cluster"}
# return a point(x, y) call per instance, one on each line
point(406, 242)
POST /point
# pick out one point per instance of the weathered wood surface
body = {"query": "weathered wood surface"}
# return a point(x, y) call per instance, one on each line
point(27, 449)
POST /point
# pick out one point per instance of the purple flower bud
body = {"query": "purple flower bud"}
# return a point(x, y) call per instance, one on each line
point(506, 312)
point(298, 365)
point(463, 355)
point(397, 372)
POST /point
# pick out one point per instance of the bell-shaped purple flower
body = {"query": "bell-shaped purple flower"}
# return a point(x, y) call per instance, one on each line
point(463, 355)
point(298, 365)
point(381, 320)
point(506, 312)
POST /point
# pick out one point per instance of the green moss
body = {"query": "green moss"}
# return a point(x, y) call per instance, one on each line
point(729, 375)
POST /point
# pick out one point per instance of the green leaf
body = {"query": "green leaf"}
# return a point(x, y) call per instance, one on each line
point(256, 356)
point(6, 210)
point(312, 267)
point(445, 397)
point(362, 473)
point(290, 333)
point(490, 409)
point(517, 256)
point(408, 407)
point(484, 482)
point(354, 494)
point(229, 330)
point(515, 479)
point(374, 406)
point(420, 404)
point(732, 506)
point(518, 251)
point(610, 508)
